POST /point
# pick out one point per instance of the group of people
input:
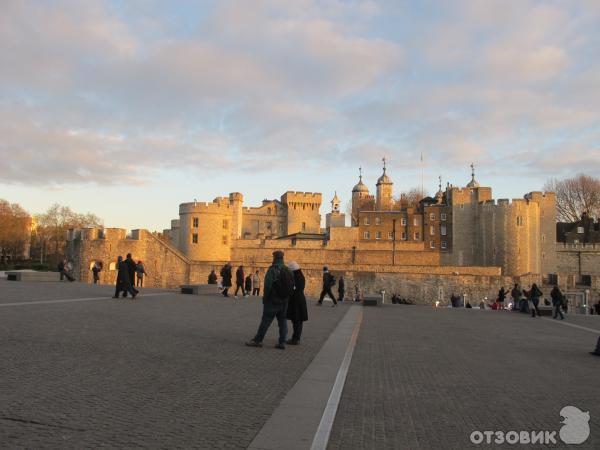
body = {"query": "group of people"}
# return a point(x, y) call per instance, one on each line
point(247, 283)
point(283, 299)
point(126, 276)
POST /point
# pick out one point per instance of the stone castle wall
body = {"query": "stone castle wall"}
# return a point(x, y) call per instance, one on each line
point(168, 268)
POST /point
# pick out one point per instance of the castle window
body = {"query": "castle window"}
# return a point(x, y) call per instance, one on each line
point(404, 237)
point(281, 229)
point(303, 226)
point(269, 211)
point(444, 245)
point(443, 230)
point(417, 236)
point(225, 240)
point(579, 230)
point(543, 238)
point(519, 221)
point(378, 235)
point(415, 221)
point(432, 216)
point(443, 216)
point(403, 221)
point(377, 220)
point(390, 235)
point(225, 224)
point(268, 226)
point(367, 220)
point(432, 230)
point(431, 244)
point(195, 238)
point(195, 222)
point(367, 235)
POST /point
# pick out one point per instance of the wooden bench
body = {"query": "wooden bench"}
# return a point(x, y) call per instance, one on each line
point(32, 276)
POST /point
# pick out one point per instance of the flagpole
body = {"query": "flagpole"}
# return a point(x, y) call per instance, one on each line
point(422, 176)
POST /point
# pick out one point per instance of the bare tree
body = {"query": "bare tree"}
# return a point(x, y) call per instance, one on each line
point(574, 196)
point(52, 227)
point(409, 199)
point(15, 231)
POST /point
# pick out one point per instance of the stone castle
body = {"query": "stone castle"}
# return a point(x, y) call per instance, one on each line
point(459, 240)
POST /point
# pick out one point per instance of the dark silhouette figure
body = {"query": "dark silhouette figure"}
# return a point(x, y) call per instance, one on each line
point(297, 311)
point(226, 276)
point(212, 277)
point(328, 283)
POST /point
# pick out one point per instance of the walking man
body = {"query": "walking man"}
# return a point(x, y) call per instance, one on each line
point(226, 275)
point(557, 299)
point(534, 295)
point(279, 287)
point(239, 281)
point(328, 283)
point(124, 280)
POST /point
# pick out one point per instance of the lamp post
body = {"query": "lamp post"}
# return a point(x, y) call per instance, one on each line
point(393, 242)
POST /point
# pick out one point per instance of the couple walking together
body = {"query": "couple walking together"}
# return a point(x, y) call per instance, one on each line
point(284, 299)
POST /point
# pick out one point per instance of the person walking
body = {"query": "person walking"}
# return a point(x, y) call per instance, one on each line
point(597, 351)
point(226, 278)
point(212, 277)
point(63, 269)
point(341, 288)
point(557, 299)
point(297, 311)
point(96, 268)
point(501, 297)
point(279, 287)
point(534, 296)
point(597, 308)
point(516, 295)
point(124, 280)
point(140, 272)
point(256, 283)
point(239, 281)
point(248, 285)
point(328, 283)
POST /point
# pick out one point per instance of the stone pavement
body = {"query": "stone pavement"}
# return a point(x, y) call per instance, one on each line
point(427, 378)
point(165, 371)
point(82, 370)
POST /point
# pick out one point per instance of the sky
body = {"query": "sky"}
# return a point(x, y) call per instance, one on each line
point(128, 108)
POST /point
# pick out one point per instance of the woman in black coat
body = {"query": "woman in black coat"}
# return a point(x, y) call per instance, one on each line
point(297, 311)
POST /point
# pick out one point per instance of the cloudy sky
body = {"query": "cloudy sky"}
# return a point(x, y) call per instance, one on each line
point(128, 108)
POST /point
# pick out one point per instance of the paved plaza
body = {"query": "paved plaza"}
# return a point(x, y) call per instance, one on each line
point(82, 370)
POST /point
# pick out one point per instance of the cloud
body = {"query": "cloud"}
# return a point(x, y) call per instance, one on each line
point(115, 93)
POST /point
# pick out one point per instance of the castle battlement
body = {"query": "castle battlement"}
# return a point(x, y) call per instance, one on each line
point(301, 197)
point(205, 207)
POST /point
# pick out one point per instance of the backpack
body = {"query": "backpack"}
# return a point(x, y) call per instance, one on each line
point(283, 285)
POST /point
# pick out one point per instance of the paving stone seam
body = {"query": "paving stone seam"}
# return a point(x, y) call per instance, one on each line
point(324, 431)
point(72, 300)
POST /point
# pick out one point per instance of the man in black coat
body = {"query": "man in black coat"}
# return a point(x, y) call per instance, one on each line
point(328, 282)
point(239, 281)
point(226, 275)
point(124, 280)
point(341, 289)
